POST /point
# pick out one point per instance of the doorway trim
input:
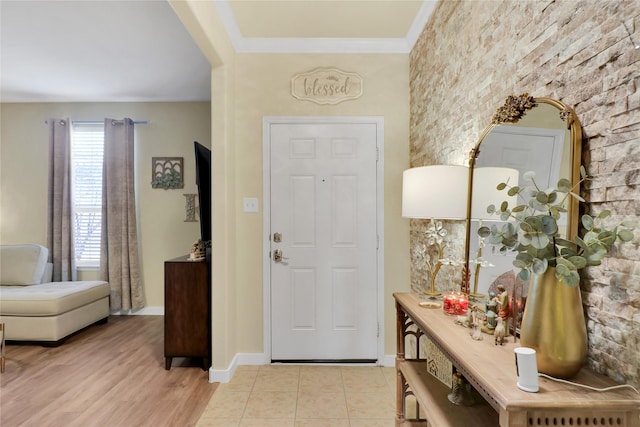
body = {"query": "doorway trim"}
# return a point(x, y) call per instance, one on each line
point(267, 121)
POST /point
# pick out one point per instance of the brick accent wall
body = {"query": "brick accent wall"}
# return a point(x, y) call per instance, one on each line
point(473, 54)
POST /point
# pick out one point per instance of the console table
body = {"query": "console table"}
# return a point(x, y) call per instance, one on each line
point(491, 370)
point(187, 310)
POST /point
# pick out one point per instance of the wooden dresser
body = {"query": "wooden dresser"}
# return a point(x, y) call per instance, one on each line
point(491, 370)
point(187, 310)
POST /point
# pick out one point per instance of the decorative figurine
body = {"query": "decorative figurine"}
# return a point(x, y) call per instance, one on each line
point(491, 303)
point(491, 319)
point(466, 320)
point(197, 252)
point(502, 301)
point(476, 326)
point(499, 332)
point(492, 310)
point(476, 332)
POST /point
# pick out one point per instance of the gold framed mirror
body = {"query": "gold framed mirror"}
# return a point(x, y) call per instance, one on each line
point(527, 134)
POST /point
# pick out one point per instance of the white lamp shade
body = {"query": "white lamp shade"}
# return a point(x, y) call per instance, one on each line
point(438, 192)
point(484, 193)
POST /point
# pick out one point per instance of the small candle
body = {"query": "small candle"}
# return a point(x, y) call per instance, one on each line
point(461, 303)
point(448, 303)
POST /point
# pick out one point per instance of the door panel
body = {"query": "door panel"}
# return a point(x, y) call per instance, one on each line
point(323, 202)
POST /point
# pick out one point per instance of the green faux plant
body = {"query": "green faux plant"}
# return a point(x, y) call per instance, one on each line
point(170, 180)
point(532, 231)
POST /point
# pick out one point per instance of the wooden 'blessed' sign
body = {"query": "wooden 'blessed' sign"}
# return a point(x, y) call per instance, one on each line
point(326, 86)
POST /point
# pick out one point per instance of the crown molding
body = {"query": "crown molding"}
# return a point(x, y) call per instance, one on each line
point(420, 21)
point(243, 44)
point(229, 22)
point(321, 45)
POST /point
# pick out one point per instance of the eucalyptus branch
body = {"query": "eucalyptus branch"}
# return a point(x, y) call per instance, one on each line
point(536, 238)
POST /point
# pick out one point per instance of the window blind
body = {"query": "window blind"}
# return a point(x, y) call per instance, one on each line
point(87, 152)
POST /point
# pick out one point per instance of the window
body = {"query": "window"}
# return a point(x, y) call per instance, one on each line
point(87, 152)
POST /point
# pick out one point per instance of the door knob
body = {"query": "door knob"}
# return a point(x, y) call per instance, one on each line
point(277, 256)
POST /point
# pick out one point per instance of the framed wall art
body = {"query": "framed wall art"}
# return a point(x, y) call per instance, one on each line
point(167, 172)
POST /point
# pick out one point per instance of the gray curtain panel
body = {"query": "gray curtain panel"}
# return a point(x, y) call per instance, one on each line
point(119, 261)
point(59, 221)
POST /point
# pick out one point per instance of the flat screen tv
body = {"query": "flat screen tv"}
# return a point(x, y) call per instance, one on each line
point(203, 181)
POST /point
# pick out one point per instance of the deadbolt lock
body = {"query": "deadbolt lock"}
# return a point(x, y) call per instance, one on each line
point(277, 237)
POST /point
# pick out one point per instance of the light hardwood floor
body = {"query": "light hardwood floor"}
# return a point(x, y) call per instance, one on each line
point(105, 375)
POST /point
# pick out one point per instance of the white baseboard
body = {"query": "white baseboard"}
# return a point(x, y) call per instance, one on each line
point(224, 375)
point(388, 361)
point(260, 359)
point(146, 311)
point(253, 359)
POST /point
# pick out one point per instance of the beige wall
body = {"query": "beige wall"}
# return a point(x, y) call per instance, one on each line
point(263, 89)
point(203, 23)
point(250, 86)
point(171, 130)
point(473, 54)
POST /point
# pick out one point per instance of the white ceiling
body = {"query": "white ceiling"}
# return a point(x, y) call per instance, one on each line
point(138, 51)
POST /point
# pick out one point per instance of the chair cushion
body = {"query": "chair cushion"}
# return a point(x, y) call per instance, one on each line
point(22, 264)
point(50, 299)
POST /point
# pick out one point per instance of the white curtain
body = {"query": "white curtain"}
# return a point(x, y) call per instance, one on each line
point(59, 221)
point(119, 261)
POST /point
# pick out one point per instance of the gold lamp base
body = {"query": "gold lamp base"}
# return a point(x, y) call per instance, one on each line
point(476, 296)
point(432, 293)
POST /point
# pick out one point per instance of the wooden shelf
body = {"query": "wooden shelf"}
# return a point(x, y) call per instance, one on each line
point(491, 371)
point(432, 396)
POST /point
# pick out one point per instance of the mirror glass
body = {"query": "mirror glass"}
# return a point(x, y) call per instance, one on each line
point(545, 140)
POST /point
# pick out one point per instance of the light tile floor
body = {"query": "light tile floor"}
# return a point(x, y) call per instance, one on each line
point(304, 396)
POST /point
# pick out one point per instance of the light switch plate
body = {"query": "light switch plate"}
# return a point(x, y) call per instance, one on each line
point(250, 205)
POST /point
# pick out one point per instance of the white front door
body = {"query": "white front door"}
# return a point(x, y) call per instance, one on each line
point(323, 224)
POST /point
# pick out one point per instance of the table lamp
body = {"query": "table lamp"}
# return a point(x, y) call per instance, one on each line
point(435, 192)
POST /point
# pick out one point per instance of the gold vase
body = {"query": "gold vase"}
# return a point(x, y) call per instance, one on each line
point(553, 324)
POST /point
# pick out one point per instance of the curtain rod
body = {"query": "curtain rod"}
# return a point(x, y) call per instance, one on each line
point(99, 122)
